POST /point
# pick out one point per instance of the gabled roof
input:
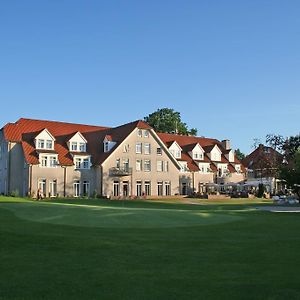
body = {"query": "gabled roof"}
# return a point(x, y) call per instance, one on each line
point(47, 131)
point(80, 134)
point(188, 143)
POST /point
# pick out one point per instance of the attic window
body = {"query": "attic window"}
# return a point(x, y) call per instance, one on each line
point(139, 133)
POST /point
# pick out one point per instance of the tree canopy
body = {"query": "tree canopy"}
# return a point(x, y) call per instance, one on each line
point(239, 154)
point(169, 121)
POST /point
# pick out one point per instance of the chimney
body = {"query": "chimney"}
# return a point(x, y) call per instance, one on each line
point(226, 144)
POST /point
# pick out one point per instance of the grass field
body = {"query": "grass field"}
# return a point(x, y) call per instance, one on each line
point(100, 249)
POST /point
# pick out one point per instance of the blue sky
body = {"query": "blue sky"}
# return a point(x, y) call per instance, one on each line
point(232, 68)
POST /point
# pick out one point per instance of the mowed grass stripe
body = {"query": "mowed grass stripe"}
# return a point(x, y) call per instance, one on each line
point(111, 217)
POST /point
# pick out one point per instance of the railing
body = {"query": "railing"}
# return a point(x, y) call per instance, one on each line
point(120, 171)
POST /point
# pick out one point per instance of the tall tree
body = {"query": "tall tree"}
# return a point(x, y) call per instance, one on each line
point(169, 121)
point(239, 154)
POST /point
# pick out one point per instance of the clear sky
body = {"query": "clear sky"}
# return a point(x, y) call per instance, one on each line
point(232, 68)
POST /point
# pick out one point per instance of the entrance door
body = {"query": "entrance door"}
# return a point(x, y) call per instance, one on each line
point(42, 186)
point(53, 188)
point(184, 188)
point(76, 188)
point(116, 189)
point(125, 189)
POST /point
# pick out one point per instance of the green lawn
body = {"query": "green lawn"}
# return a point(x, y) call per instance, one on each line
point(99, 249)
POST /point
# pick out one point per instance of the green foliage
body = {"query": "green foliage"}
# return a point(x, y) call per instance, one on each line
point(169, 121)
point(240, 155)
point(291, 173)
point(15, 193)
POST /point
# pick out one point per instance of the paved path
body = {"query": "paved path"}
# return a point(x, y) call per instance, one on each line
point(294, 209)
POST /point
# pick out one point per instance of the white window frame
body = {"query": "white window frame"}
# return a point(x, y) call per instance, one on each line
point(146, 133)
point(159, 166)
point(138, 148)
point(147, 165)
point(86, 188)
point(147, 148)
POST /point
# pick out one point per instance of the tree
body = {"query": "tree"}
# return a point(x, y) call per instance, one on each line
point(256, 143)
point(275, 141)
point(240, 155)
point(291, 173)
point(169, 121)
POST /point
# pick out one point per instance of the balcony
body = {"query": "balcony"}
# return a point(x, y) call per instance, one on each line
point(120, 171)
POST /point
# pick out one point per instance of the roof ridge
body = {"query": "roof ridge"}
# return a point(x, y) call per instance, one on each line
point(61, 122)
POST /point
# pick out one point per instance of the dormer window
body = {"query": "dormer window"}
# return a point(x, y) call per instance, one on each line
point(77, 143)
point(82, 147)
point(49, 144)
point(108, 143)
point(44, 140)
point(175, 150)
point(198, 155)
point(41, 144)
point(106, 146)
point(74, 146)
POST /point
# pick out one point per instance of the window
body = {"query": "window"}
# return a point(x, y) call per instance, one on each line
point(118, 163)
point(159, 188)
point(86, 163)
point(82, 163)
point(44, 161)
point(159, 166)
point(147, 188)
point(41, 144)
point(76, 188)
point(138, 148)
point(147, 165)
point(146, 133)
point(82, 147)
point(86, 188)
point(49, 144)
point(74, 146)
point(126, 148)
point(166, 166)
point(138, 165)
point(106, 146)
point(116, 188)
point(198, 155)
point(147, 148)
point(167, 188)
point(158, 151)
point(42, 186)
point(126, 164)
point(53, 188)
point(48, 161)
point(138, 188)
point(78, 163)
point(139, 133)
point(52, 162)
point(178, 154)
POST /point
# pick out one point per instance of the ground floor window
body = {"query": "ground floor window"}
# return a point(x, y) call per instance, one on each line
point(147, 188)
point(116, 190)
point(41, 188)
point(139, 188)
point(159, 188)
point(53, 188)
point(76, 188)
point(167, 188)
point(86, 188)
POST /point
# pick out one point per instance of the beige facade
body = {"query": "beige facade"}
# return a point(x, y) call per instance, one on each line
point(140, 166)
point(128, 161)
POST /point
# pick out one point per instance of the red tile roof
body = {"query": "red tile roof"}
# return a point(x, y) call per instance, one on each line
point(25, 130)
point(187, 143)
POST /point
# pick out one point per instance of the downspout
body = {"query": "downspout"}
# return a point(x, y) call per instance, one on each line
point(65, 179)
point(8, 168)
point(30, 180)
